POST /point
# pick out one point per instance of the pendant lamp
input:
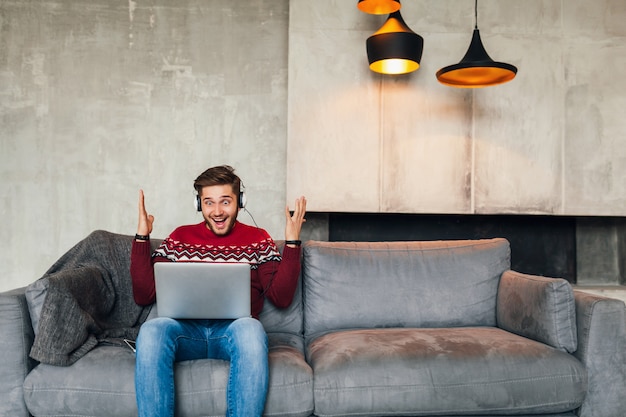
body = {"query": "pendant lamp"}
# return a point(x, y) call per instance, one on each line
point(476, 69)
point(379, 6)
point(394, 48)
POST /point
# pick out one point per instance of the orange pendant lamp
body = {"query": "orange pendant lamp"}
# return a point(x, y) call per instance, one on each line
point(476, 69)
point(394, 49)
point(379, 6)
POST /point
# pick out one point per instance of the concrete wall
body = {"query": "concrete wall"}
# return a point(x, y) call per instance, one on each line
point(552, 141)
point(99, 98)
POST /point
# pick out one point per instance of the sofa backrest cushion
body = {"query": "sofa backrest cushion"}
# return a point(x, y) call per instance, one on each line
point(539, 308)
point(286, 320)
point(349, 285)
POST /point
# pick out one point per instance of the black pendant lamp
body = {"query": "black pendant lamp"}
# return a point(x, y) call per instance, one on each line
point(476, 69)
point(394, 48)
point(379, 6)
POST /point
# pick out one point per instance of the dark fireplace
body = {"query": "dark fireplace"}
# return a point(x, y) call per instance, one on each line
point(539, 244)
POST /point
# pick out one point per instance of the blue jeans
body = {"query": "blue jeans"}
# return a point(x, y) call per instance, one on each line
point(163, 341)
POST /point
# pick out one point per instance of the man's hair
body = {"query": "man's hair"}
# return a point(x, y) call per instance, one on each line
point(220, 175)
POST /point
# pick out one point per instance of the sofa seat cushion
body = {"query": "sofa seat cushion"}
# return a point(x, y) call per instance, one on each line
point(102, 384)
point(454, 371)
point(99, 383)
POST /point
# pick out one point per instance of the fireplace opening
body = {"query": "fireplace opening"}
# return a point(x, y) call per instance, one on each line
point(540, 245)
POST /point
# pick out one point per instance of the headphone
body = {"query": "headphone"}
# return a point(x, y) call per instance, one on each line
point(241, 201)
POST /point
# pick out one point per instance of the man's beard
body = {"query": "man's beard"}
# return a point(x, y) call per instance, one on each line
point(221, 229)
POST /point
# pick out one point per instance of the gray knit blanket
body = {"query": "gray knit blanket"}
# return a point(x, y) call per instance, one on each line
point(88, 300)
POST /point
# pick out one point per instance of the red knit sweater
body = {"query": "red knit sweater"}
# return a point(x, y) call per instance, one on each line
point(272, 276)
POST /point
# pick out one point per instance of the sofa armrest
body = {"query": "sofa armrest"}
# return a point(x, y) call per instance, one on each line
point(16, 339)
point(601, 323)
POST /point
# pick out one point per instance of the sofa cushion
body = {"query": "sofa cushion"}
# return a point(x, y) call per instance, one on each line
point(16, 337)
point(540, 308)
point(288, 319)
point(460, 371)
point(401, 284)
point(102, 383)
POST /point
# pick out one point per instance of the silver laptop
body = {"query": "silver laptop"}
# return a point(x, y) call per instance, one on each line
point(202, 290)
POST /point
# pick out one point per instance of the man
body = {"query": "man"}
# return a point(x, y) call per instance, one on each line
point(243, 342)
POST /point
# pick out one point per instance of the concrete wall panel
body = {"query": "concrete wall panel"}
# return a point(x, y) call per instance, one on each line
point(101, 98)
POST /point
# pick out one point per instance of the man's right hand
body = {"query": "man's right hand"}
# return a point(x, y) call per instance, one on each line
point(145, 220)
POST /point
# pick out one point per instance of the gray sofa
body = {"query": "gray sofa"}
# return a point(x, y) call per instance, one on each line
point(404, 328)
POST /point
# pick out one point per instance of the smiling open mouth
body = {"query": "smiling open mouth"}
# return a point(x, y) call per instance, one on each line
point(219, 223)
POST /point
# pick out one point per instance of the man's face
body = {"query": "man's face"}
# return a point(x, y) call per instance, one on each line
point(219, 208)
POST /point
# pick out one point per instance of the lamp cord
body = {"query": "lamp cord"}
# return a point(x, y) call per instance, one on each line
point(476, 14)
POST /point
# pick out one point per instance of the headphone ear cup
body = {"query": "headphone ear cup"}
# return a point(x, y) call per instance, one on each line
point(197, 203)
